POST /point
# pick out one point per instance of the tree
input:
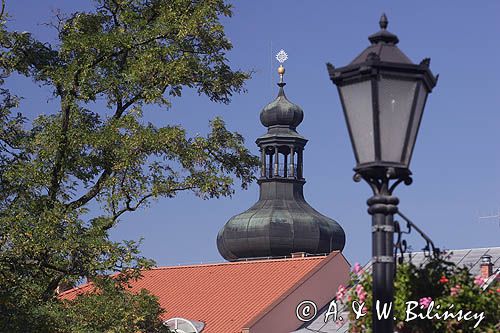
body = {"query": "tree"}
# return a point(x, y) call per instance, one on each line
point(96, 149)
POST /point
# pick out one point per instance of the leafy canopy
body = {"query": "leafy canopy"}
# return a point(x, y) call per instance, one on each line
point(95, 149)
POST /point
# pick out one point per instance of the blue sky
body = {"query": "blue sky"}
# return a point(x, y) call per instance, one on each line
point(456, 161)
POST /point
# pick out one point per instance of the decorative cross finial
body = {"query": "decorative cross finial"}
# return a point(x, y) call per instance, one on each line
point(281, 56)
point(383, 21)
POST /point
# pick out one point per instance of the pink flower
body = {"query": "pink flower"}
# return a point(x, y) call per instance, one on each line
point(454, 291)
point(478, 280)
point(360, 291)
point(357, 269)
point(341, 291)
point(425, 302)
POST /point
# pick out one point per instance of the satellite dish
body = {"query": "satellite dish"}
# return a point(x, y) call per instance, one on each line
point(182, 325)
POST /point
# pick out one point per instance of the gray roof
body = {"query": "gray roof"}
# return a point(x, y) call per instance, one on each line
point(466, 257)
point(470, 258)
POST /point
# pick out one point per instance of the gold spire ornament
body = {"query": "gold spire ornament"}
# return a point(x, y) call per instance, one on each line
point(281, 56)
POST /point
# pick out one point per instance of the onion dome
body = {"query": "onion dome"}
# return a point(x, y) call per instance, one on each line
point(281, 111)
point(279, 224)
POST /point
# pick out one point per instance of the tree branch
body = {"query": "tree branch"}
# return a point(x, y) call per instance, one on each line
point(61, 151)
point(129, 208)
point(94, 190)
point(52, 267)
point(52, 286)
point(122, 107)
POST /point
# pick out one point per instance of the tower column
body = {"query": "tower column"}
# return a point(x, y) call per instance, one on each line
point(270, 166)
point(300, 168)
point(292, 162)
point(285, 165)
point(263, 162)
point(276, 161)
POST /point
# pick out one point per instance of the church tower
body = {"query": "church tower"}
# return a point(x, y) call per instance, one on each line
point(281, 222)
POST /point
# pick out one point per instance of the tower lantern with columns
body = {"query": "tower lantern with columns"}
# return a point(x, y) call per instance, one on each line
point(281, 222)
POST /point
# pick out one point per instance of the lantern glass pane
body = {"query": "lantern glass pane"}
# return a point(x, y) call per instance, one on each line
point(419, 110)
point(357, 99)
point(395, 102)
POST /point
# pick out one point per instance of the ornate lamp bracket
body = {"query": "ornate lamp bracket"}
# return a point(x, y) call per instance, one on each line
point(401, 246)
point(383, 180)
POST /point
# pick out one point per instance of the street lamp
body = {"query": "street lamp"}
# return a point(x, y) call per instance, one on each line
point(383, 95)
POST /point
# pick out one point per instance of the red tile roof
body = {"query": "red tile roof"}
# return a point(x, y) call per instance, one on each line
point(224, 296)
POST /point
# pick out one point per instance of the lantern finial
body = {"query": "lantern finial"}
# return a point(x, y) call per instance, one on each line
point(383, 36)
point(384, 22)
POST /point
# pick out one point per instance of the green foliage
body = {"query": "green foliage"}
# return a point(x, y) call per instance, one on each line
point(95, 150)
point(450, 287)
point(111, 309)
point(136, 312)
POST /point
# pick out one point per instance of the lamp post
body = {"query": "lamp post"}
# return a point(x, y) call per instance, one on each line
point(383, 95)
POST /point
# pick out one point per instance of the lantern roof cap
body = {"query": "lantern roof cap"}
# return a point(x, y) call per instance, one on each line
point(383, 36)
point(383, 46)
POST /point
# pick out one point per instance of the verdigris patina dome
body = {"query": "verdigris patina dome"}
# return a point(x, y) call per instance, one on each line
point(281, 222)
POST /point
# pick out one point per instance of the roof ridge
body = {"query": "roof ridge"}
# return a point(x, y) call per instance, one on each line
point(86, 285)
point(83, 286)
point(238, 262)
point(453, 250)
point(471, 249)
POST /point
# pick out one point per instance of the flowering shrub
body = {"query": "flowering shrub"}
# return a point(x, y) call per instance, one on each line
point(439, 294)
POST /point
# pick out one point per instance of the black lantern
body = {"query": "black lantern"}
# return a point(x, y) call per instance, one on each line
point(383, 95)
